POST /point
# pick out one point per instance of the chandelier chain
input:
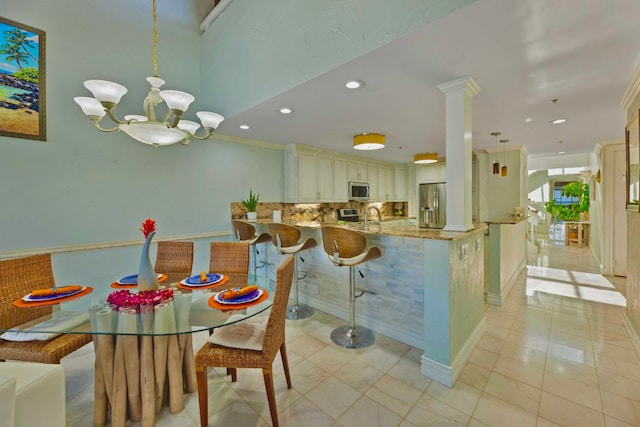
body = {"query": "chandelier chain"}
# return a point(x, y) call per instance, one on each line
point(155, 40)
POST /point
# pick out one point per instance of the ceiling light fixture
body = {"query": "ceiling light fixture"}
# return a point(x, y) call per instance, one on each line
point(354, 84)
point(503, 169)
point(245, 127)
point(496, 164)
point(558, 121)
point(286, 110)
point(368, 141)
point(146, 128)
point(424, 158)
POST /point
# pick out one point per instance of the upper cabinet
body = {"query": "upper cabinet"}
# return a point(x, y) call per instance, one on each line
point(308, 176)
point(357, 171)
point(436, 172)
point(400, 183)
point(340, 180)
point(313, 175)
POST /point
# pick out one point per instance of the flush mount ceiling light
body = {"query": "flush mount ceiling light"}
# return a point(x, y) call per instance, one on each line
point(558, 121)
point(147, 128)
point(368, 141)
point(286, 110)
point(245, 127)
point(354, 84)
point(424, 158)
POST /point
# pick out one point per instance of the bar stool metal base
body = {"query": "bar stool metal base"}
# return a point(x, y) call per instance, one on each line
point(352, 336)
point(297, 312)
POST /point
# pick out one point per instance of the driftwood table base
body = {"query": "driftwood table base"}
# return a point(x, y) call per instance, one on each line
point(135, 376)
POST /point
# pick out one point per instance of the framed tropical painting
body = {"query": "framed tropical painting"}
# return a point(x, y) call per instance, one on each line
point(22, 81)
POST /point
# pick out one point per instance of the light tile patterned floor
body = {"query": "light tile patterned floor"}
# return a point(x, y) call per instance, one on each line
point(552, 355)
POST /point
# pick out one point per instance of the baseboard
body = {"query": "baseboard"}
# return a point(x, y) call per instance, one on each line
point(447, 375)
point(402, 335)
point(496, 299)
point(633, 335)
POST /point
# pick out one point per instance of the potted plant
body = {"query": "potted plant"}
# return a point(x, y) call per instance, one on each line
point(251, 204)
point(574, 211)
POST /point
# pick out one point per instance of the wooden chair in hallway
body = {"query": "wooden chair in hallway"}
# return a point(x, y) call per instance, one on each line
point(216, 354)
point(175, 259)
point(18, 277)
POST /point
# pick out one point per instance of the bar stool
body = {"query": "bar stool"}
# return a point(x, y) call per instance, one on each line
point(246, 232)
point(346, 247)
point(286, 240)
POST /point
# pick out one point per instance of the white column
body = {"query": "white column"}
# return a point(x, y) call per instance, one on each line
point(458, 138)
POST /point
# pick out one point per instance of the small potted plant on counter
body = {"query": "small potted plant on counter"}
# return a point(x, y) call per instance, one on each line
point(251, 204)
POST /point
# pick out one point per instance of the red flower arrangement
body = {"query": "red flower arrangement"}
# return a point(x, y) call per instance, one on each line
point(148, 227)
point(125, 299)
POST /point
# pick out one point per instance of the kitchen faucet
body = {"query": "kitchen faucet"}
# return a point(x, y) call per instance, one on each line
point(366, 215)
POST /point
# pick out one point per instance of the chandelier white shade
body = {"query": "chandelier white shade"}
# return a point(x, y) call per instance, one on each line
point(147, 128)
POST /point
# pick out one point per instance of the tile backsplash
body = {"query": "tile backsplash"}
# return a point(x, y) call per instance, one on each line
point(321, 212)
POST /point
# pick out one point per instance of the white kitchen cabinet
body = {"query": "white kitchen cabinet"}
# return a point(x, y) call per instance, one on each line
point(374, 186)
point(340, 181)
point(400, 183)
point(357, 171)
point(386, 187)
point(435, 172)
point(308, 176)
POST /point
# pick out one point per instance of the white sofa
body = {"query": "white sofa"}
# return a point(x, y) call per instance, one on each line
point(32, 394)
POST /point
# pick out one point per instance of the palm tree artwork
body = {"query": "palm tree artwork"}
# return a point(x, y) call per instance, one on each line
point(20, 83)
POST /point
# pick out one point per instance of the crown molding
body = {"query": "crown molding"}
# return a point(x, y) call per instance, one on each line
point(632, 92)
point(213, 15)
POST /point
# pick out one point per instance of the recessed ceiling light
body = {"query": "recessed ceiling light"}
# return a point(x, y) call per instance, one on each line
point(562, 152)
point(286, 110)
point(558, 121)
point(245, 127)
point(528, 120)
point(354, 84)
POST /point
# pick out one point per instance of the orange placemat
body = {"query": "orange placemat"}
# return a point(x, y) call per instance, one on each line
point(226, 307)
point(24, 304)
point(116, 285)
point(224, 280)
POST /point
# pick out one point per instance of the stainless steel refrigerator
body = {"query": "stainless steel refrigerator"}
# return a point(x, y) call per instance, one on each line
point(432, 199)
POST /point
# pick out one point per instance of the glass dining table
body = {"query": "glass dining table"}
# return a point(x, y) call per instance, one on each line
point(144, 354)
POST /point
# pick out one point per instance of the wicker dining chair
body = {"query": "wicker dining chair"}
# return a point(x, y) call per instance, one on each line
point(18, 277)
point(214, 355)
point(175, 259)
point(230, 259)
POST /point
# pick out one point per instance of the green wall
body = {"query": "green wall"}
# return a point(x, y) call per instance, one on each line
point(82, 186)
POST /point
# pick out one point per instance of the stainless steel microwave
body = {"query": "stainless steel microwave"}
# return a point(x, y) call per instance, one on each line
point(358, 191)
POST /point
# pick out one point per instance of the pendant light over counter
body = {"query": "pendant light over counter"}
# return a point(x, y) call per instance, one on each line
point(496, 163)
point(503, 169)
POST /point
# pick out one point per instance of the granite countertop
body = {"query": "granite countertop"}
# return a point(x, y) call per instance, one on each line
point(387, 230)
point(508, 219)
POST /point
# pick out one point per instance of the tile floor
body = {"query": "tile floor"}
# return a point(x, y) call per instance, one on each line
point(554, 354)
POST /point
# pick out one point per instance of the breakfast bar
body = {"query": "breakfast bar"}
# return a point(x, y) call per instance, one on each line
point(426, 290)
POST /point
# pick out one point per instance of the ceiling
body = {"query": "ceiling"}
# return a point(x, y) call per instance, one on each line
point(523, 54)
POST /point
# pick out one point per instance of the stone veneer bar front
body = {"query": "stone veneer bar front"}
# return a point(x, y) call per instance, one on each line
point(427, 289)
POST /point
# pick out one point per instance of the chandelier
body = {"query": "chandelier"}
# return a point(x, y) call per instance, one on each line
point(147, 128)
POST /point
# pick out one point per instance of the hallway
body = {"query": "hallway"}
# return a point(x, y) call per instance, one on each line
point(557, 353)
